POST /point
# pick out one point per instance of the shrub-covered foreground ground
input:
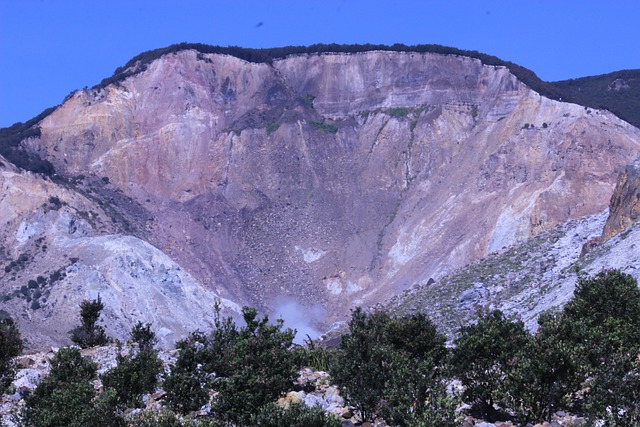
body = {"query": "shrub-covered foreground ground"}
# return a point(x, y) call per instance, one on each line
point(583, 359)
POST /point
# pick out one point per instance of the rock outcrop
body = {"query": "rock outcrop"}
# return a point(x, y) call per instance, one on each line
point(332, 179)
point(624, 207)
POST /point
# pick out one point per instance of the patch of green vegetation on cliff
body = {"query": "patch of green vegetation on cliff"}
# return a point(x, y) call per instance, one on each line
point(324, 127)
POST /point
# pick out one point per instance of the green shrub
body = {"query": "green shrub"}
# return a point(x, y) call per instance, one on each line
point(397, 362)
point(259, 368)
point(546, 372)
point(398, 112)
point(615, 391)
point(593, 344)
point(606, 310)
point(605, 315)
point(483, 357)
point(440, 411)
point(135, 375)
point(10, 347)
point(187, 384)
point(132, 377)
point(106, 411)
point(89, 334)
point(307, 101)
point(313, 355)
point(247, 367)
point(143, 336)
point(273, 127)
point(324, 127)
point(65, 396)
point(164, 418)
point(298, 415)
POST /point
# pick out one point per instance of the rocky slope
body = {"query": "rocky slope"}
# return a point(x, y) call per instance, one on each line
point(525, 279)
point(64, 247)
point(332, 179)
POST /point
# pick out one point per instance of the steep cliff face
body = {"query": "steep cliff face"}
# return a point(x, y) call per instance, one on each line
point(624, 208)
point(336, 179)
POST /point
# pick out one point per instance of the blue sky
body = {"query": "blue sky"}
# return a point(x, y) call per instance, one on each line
point(49, 48)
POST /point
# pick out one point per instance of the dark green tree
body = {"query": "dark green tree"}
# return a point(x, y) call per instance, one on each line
point(89, 333)
point(605, 315)
point(484, 356)
point(615, 391)
point(546, 371)
point(246, 367)
point(188, 384)
point(199, 359)
point(605, 309)
point(10, 347)
point(361, 352)
point(66, 396)
point(258, 369)
point(390, 367)
point(143, 336)
point(135, 374)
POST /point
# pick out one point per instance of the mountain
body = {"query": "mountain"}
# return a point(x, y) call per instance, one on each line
point(617, 92)
point(324, 180)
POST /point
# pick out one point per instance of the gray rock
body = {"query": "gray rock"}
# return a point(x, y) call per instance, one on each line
point(312, 400)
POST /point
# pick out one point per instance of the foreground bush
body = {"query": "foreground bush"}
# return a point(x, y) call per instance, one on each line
point(391, 368)
point(135, 374)
point(298, 415)
point(247, 367)
point(605, 314)
point(546, 371)
point(313, 355)
point(605, 311)
point(164, 418)
point(66, 397)
point(10, 347)
point(484, 357)
point(585, 358)
point(259, 369)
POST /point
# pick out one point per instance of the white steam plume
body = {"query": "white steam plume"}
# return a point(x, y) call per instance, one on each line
point(298, 317)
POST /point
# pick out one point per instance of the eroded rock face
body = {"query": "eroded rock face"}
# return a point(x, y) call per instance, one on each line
point(624, 207)
point(59, 247)
point(336, 179)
